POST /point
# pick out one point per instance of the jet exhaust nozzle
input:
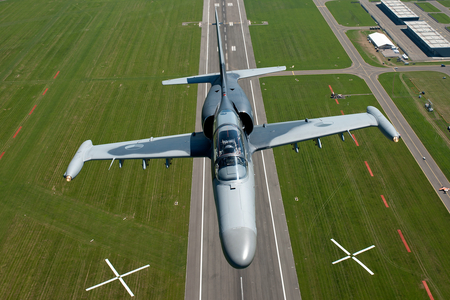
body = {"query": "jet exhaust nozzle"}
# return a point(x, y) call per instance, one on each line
point(383, 124)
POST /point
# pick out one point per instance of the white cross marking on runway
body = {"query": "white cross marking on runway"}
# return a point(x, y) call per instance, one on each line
point(352, 256)
point(118, 277)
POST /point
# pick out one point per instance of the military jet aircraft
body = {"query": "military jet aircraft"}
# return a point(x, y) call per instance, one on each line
point(229, 139)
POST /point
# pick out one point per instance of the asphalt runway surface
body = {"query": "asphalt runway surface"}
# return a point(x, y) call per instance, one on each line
point(272, 274)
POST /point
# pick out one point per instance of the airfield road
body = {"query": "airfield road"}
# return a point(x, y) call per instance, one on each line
point(272, 274)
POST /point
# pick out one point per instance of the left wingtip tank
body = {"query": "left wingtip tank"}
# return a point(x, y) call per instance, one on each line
point(77, 161)
point(383, 124)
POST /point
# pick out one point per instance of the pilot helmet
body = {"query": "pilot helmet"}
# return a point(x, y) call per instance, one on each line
point(229, 149)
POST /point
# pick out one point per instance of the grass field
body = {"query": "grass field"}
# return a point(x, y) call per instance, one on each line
point(350, 13)
point(337, 198)
point(428, 7)
point(431, 128)
point(297, 35)
point(441, 18)
point(445, 2)
point(111, 57)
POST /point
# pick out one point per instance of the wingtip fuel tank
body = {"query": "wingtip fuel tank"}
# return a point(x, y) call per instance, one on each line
point(77, 161)
point(383, 124)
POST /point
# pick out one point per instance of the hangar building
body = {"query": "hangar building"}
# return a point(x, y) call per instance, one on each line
point(397, 11)
point(428, 39)
point(380, 41)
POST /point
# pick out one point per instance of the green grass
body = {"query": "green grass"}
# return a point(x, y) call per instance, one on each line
point(297, 35)
point(431, 128)
point(337, 198)
point(445, 2)
point(427, 7)
point(349, 13)
point(441, 18)
point(112, 57)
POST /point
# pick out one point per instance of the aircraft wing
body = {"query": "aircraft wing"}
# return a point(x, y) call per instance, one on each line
point(278, 134)
point(175, 146)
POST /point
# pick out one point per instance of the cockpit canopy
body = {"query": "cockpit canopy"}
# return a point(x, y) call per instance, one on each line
point(229, 153)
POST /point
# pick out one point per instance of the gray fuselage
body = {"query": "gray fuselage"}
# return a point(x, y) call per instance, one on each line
point(234, 186)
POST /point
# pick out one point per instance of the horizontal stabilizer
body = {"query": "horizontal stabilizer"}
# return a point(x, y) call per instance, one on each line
point(206, 78)
point(211, 78)
point(257, 72)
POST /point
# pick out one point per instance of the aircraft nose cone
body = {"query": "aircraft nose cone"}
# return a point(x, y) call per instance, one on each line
point(239, 246)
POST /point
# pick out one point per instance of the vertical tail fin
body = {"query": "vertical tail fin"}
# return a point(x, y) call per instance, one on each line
point(223, 71)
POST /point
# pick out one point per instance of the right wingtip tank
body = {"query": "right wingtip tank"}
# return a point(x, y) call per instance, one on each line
point(383, 124)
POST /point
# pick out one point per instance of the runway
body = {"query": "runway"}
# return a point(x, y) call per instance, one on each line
point(272, 274)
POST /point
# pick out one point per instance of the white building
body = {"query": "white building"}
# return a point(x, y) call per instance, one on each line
point(380, 41)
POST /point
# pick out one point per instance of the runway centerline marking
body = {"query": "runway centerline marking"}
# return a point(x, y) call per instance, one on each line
point(45, 91)
point(242, 290)
point(203, 171)
point(1, 155)
point(384, 200)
